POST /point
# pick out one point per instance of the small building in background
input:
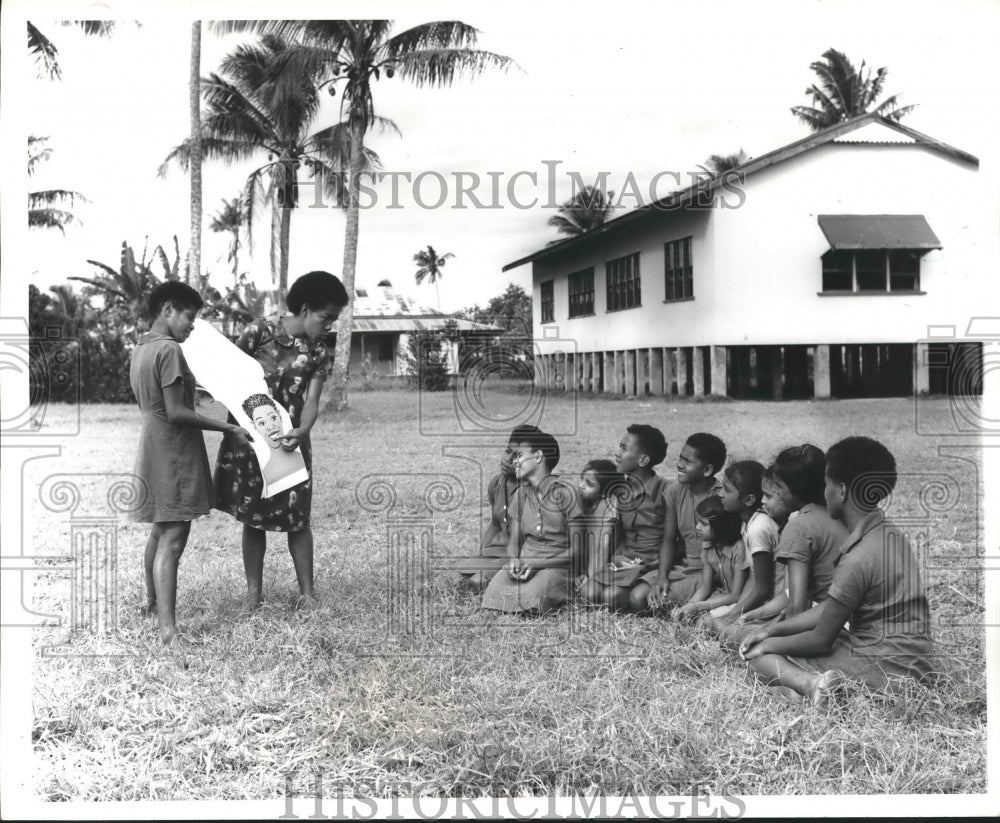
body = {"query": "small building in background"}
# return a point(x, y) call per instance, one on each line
point(384, 318)
point(844, 264)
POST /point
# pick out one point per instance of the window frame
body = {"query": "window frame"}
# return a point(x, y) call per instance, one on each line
point(887, 266)
point(581, 307)
point(623, 288)
point(548, 303)
point(682, 274)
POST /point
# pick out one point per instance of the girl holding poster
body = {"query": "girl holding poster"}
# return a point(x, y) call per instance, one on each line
point(295, 360)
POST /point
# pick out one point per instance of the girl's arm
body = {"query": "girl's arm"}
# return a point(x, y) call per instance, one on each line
point(704, 589)
point(772, 608)
point(605, 548)
point(814, 640)
point(798, 587)
point(177, 412)
point(658, 594)
point(727, 599)
point(763, 582)
point(310, 411)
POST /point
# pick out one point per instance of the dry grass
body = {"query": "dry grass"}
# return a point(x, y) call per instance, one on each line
point(474, 703)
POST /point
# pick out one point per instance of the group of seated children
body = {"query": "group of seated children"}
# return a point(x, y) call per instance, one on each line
point(794, 567)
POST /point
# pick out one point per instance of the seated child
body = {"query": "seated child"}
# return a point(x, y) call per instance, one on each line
point(679, 570)
point(742, 493)
point(809, 540)
point(724, 567)
point(596, 530)
point(876, 588)
point(537, 577)
point(642, 511)
point(476, 572)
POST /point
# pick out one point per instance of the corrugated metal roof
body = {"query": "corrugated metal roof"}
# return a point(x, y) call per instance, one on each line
point(852, 232)
point(385, 301)
point(415, 324)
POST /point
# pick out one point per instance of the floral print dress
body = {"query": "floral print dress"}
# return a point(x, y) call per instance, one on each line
point(290, 364)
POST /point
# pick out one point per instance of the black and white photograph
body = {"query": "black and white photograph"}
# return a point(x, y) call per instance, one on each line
point(466, 410)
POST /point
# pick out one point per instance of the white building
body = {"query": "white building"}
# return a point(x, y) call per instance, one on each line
point(384, 318)
point(816, 273)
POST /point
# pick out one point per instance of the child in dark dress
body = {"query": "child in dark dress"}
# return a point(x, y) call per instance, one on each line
point(171, 462)
point(641, 513)
point(295, 360)
point(476, 572)
point(874, 626)
point(678, 572)
point(597, 528)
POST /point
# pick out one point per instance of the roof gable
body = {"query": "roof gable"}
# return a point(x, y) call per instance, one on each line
point(679, 199)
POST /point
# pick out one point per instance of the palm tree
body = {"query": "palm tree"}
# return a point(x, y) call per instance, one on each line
point(430, 263)
point(252, 108)
point(356, 52)
point(843, 92)
point(46, 208)
point(194, 100)
point(717, 164)
point(584, 211)
point(46, 54)
point(230, 218)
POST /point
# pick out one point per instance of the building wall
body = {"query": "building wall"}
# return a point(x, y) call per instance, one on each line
point(757, 268)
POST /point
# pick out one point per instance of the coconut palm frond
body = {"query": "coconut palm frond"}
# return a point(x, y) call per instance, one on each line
point(44, 52)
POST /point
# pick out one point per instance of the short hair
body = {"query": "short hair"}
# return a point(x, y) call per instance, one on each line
point(317, 290)
point(650, 440)
point(725, 524)
point(181, 295)
point(748, 478)
point(802, 469)
point(520, 431)
point(865, 466)
point(606, 472)
point(256, 401)
point(543, 442)
point(709, 448)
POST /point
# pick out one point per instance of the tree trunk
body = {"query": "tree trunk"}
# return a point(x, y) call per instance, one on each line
point(284, 237)
point(345, 326)
point(194, 254)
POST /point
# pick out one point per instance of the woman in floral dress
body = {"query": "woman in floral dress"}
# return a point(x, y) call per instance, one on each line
point(295, 360)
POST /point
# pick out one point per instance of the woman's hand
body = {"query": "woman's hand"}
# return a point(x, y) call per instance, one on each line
point(688, 611)
point(291, 439)
point(580, 582)
point(753, 645)
point(240, 435)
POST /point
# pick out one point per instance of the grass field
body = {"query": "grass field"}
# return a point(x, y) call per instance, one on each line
point(462, 702)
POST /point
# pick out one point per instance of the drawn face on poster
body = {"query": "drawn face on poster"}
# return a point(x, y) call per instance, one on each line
point(263, 412)
point(270, 422)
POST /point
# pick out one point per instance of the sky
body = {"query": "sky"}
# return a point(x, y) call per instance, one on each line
point(626, 89)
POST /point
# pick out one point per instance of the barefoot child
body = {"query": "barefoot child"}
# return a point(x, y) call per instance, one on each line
point(295, 359)
point(642, 514)
point(724, 567)
point(171, 462)
point(809, 541)
point(599, 523)
point(679, 571)
point(876, 588)
point(742, 493)
point(476, 572)
point(537, 577)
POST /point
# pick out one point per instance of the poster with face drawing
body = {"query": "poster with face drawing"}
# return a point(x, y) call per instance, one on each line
point(236, 380)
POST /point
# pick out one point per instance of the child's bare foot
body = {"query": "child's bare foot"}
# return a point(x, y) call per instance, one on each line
point(306, 603)
point(825, 688)
point(176, 647)
point(149, 610)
